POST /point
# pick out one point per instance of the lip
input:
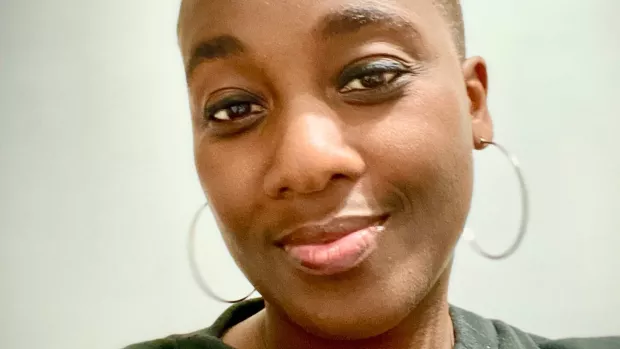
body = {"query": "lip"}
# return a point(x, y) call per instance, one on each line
point(338, 245)
point(328, 231)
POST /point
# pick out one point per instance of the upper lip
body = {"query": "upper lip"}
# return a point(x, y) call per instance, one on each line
point(328, 231)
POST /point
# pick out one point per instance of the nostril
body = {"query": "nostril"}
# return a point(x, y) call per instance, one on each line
point(338, 176)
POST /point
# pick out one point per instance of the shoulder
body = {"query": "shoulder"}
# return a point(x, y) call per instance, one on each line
point(538, 342)
point(474, 331)
point(506, 331)
point(197, 340)
point(210, 337)
point(167, 343)
point(580, 343)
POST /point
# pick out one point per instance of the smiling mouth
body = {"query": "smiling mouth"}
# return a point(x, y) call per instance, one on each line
point(335, 247)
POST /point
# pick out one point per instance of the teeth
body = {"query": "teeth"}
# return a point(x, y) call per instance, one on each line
point(379, 228)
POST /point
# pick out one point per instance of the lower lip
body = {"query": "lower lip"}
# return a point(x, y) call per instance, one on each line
point(335, 257)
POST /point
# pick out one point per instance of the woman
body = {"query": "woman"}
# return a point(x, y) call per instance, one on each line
point(334, 140)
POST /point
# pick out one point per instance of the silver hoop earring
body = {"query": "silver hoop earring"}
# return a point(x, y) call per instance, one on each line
point(204, 286)
point(469, 234)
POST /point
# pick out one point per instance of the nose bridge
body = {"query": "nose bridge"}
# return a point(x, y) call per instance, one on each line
point(307, 125)
point(309, 135)
point(310, 148)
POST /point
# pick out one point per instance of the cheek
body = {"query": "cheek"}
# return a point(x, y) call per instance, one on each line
point(232, 182)
point(427, 133)
point(424, 149)
point(231, 179)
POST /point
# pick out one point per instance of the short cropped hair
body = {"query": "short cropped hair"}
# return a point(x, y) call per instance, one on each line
point(453, 13)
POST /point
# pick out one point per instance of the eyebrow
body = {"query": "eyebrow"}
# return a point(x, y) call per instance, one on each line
point(352, 19)
point(215, 48)
point(345, 21)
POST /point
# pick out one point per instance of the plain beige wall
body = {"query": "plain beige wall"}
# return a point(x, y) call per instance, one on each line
point(97, 184)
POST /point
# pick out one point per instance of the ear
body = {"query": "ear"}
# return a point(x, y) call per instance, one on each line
point(476, 82)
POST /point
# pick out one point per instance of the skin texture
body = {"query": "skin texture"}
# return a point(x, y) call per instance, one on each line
point(305, 141)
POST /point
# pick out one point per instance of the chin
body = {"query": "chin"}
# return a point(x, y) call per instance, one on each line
point(359, 308)
point(352, 322)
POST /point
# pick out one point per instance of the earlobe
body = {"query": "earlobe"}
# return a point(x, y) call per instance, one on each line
point(476, 83)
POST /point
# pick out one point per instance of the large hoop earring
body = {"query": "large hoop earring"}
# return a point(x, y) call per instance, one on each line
point(204, 286)
point(469, 235)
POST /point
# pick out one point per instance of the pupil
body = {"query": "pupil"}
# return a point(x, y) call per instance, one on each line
point(240, 109)
point(370, 81)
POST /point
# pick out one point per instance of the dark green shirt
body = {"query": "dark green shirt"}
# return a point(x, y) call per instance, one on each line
point(471, 332)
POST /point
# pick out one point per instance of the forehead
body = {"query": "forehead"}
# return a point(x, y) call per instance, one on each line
point(265, 20)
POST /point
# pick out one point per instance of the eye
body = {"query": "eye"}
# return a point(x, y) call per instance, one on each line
point(233, 108)
point(374, 75)
point(368, 82)
point(236, 111)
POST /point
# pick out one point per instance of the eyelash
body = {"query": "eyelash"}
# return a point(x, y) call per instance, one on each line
point(229, 104)
point(254, 106)
point(355, 75)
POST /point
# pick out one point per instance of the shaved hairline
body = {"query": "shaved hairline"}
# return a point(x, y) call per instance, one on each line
point(450, 10)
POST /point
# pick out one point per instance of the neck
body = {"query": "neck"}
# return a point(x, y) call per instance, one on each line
point(428, 326)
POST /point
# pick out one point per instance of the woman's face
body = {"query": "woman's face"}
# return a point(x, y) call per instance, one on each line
point(353, 110)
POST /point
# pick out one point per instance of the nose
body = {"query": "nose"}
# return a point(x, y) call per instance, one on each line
point(311, 153)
